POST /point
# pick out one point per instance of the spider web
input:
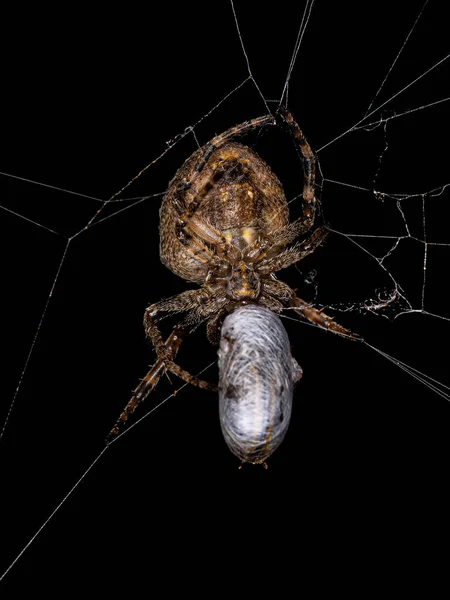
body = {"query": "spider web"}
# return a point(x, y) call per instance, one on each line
point(89, 150)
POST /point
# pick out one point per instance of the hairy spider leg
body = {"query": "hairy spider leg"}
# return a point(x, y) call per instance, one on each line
point(280, 290)
point(291, 255)
point(166, 351)
point(186, 301)
point(147, 384)
point(291, 231)
point(318, 317)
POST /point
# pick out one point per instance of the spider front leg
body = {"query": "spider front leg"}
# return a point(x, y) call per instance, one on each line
point(304, 223)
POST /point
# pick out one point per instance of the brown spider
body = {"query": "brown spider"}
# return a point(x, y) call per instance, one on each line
point(224, 224)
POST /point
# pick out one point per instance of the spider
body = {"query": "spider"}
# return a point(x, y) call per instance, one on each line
point(224, 224)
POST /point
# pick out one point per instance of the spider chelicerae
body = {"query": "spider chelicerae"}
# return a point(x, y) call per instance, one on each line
point(224, 224)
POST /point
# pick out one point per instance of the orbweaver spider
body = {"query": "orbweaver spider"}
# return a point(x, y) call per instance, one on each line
point(224, 224)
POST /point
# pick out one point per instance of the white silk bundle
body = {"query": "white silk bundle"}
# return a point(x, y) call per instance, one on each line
point(257, 374)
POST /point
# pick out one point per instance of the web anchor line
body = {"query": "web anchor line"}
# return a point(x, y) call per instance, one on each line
point(108, 444)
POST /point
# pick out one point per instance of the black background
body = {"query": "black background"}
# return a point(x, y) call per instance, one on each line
point(89, 100)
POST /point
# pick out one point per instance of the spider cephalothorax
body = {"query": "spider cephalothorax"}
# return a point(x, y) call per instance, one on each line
point(224, 224)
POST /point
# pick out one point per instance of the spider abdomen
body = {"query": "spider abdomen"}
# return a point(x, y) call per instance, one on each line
point(256, 379)
point(234, 192)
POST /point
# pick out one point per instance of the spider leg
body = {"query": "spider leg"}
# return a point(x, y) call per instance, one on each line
point(227, 135)
point(309, 169)
point(282, 292)
point(166, 351)
point(146, 385)
point(196, 234)
point(183, 302)
point(299, 226)
point(293, 254)
point(191, 230)
point(318, 317)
